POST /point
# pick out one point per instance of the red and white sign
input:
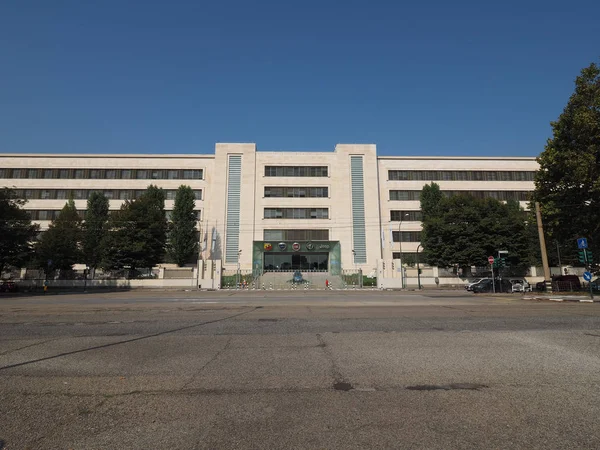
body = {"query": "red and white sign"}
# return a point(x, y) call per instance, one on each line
point(295, 246)
point(491, 259)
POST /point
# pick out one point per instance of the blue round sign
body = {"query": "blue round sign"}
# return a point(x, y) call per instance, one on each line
point(587, 276)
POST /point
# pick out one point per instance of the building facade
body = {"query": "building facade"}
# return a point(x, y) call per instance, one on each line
point(269, 211)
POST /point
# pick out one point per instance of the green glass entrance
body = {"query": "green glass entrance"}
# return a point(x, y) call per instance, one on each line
point(296, 261)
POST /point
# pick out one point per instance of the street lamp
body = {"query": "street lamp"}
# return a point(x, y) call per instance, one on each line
point(238, 270)
point(418, 268)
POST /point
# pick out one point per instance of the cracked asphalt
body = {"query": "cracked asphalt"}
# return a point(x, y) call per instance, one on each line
point(334, 370)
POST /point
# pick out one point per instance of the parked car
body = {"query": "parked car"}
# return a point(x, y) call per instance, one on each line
point(488, 286)
point(8, 286)
point(520, 285)
point(561, 283)
point(469, 287)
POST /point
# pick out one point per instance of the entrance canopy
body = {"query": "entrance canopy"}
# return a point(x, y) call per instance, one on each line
point(296, 255)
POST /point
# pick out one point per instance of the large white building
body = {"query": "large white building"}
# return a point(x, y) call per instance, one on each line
point(325, 211)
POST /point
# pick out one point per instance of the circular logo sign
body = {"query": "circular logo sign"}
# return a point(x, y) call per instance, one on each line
point(282, 246)
point(295, 246)
point(268, 247)
point(310, 246)
point(491, 259)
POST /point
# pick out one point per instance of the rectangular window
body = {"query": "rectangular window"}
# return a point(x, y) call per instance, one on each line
point(198, 194)
point(192, 174)
point(46, 194)
point(18, 173)
point(138, 193)
point(300, 192)
point(110, 174)
point(79, 173)
point(407, 236)
point(141, 174)
point(61, 194)
point(126, 174)
point(125, 195)
point(48, 173)
point(172, 174)
point(79, 194)
point(4, 173)
point(64, 174)
point(170, 194)
point(405, 195)
point(405, 216)
point(157, 175)
point(110, 194)
point(296, 171)
point(29, 194)
point(32, 173)
point(296, 235)
point(460, 175)
point(95, 174)
point(43, 214)
point(296, 213)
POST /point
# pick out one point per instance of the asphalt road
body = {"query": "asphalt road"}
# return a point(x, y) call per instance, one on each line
point(334, 370)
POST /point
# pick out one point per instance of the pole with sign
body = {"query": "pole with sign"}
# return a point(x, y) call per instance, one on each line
point(587, 276)
point(491, 261)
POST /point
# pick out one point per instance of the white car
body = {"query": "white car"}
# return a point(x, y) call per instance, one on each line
point(520, 286)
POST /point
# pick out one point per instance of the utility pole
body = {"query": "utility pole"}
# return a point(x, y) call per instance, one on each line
point(538, 216)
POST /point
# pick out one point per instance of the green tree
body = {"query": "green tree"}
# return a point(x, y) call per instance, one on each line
point(59, 247)
point(17, 233)
point(568, 182)
point(463, 230)
point(183, 243)
point(94, 229)
point(137, 233)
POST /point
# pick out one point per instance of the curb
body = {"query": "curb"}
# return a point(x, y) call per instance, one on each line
point(563, 299)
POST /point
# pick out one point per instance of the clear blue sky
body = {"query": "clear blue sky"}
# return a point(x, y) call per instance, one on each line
point(416, 78)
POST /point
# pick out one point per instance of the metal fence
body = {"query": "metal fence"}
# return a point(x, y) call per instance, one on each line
point(295, 280)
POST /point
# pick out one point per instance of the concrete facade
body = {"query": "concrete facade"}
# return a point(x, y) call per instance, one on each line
point(373, 205)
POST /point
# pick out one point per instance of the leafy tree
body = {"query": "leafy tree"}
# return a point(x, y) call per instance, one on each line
point(463, 230)
point(183, 243)
point(568, 182)
point(137, 233)
point(59, 247)
point(94, 230)
point(17, 233)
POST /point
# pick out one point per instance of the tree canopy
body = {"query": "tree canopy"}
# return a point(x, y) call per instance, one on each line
point(567, 184)
point(17, 233)
point(94, 229)
point(183, 242)
point(59, 247)
point(137, 233)
point(463, 230)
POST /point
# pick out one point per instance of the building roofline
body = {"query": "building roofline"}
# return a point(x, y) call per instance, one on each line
point(109, 155)
point(462, 158)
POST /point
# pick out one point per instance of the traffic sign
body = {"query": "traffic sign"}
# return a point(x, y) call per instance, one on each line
point(491, 259)
point(587, 276)
point(582, 243)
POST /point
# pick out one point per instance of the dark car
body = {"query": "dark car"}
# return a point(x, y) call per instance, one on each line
point(487, 286)
point(9, 286)
point(561, 283)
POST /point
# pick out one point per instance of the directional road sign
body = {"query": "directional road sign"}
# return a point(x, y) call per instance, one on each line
point(491, 259)
point(587, 276)
point(582, 243)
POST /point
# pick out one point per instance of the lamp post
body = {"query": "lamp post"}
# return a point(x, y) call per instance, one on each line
point(238, 270)
point(402, 215)
point(418, 268)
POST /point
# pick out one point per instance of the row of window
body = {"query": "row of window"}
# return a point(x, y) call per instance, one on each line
point(83, 194)
point(460, 175)
point(521, 196)
point(296, 171)
point(296, 235)
point(401, 216)
point(407, 236)
point(296, 213)
point(296, 192)
point(105, 174)
point(51, 214)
